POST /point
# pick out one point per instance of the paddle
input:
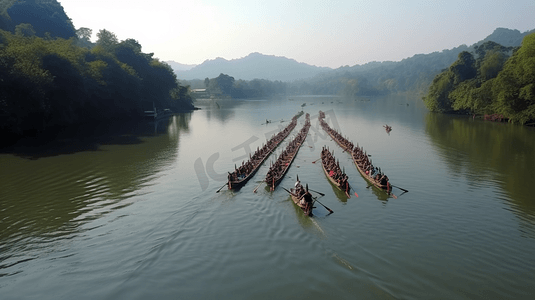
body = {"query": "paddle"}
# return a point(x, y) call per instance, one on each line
point(316, 160)
point(400, 188)
point(356, 195)
point(330, 210)
point(322, 194)
point(254, 191)
point(221, 188)
point(286, 190)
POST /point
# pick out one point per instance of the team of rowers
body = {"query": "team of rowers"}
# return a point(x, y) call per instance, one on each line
point(364, 163)
point(360, 157)
point(260, 155)
point(332, 167)
point(279, 168)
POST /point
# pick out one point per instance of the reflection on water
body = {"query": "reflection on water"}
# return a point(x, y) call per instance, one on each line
point(123, 215)
point(489, 153)
point(47, 197)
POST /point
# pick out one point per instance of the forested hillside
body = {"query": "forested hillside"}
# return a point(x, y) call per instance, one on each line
point(414, 74)
point(45, 16)
point(496, 80)
point(51, 81)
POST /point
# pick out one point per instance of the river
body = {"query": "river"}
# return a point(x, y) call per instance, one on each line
point(132, 212)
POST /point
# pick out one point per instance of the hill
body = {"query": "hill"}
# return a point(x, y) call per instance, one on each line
point(178, 67)
point(253, 66)
point(505, 37)
point(413, 74)
point(45, 16)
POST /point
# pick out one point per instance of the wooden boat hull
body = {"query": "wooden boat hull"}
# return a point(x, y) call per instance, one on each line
point(334, 181)
point(362, 172)
point(297, 202)
point(276, 181)
point(369, 178)
point(238, 184)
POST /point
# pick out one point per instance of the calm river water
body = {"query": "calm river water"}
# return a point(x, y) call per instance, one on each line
point(134, 213)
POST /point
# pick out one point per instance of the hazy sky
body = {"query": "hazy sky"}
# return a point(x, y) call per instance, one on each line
point(322, 33)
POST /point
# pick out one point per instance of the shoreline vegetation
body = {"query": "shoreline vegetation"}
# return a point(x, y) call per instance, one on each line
point(51, 82)
point(496, 84)
point(52, 76)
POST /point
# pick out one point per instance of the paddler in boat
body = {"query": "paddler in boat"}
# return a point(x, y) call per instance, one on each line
point(306, 201)
point(302, 200)
point(384, 180)
point(299, 189)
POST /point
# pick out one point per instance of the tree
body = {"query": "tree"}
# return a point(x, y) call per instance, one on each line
point(514, 86)
point(464, 67)
point(437, 99)
point(84, 37)
point(107, 40)
point(492, 64)
point(84, 33)
point(225, 83)
point(24, 29)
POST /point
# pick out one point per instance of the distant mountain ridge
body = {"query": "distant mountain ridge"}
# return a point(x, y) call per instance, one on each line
point(410, 74)
point(505, 37)
point(179, 67)
point(253, 66)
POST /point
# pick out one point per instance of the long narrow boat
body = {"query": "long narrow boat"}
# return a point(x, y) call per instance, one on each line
point(238, 179)
point(385, 187)
point(345, 187)
point(280, 167)
point(347, 146)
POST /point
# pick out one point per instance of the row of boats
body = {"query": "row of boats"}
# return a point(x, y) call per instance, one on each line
point(241, 175)
point(361, 159)
point(278, 169)
point(331, 167)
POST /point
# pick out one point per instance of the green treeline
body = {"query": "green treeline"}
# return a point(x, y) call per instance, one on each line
point(497, 80)
point(226, 86)
point(58, 77)
point(50, 82)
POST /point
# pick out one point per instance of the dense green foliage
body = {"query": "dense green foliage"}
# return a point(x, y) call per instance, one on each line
point(46, 82)
point(53, 75)
point(499, 81)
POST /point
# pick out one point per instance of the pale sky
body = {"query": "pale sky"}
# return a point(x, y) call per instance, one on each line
point(317, 32)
